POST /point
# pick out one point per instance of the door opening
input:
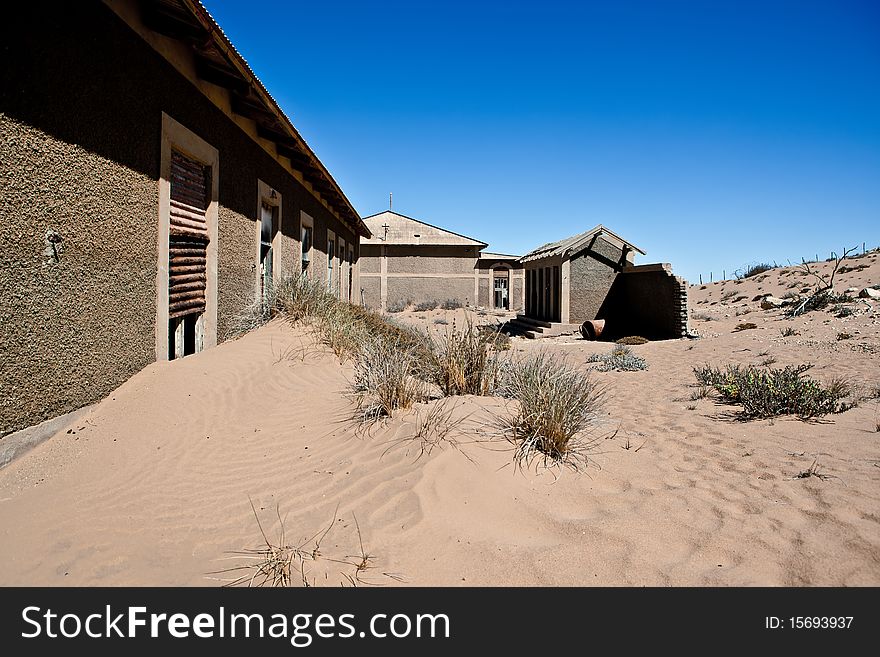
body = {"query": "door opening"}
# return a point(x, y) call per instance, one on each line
point(501, 298)
point(268, 229)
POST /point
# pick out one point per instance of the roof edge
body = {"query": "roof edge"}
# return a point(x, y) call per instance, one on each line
point(475, 241)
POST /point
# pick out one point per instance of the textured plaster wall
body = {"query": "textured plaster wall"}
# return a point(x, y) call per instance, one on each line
point(77, 326)
point(420, 260)
point(80, 124)
point(591, 279)
point(427, 289)
point(370, 260)
point(371, 289)
point(483, 298)
point(517, 285)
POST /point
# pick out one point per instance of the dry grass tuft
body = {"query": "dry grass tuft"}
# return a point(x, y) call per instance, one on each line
point(279, 564)
point(633, 340)
point(435, 427)
point(557, 407)
point(388, 376)
point(463, 362)
point(745, 326)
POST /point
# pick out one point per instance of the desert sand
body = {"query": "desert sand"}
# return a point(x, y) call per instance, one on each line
point(153, 485)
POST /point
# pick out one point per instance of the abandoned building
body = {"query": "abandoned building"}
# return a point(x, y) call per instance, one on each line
point(592, 276)
point(410, 261)
point(151, 190)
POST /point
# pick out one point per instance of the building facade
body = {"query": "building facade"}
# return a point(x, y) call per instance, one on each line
point(410, 261)
point(151, 191)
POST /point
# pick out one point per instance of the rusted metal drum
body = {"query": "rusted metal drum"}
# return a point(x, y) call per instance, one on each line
point(592, 329)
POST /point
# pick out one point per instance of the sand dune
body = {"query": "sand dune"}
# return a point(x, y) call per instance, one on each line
point(152, 486)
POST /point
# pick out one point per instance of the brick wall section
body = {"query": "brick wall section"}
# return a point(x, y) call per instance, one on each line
point(649, 301)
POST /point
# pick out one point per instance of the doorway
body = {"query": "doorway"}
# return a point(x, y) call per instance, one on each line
point(501, 289)
point(268, 229)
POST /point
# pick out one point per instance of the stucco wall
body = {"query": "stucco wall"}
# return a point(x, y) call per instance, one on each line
point(75, 328)
point(517, 286)
point(592, 275)
point(422, 260)
point(483, 297)
point(370, 261)
point(371, 289)
point(648, 301)
point(429, 289)
point(80, 115)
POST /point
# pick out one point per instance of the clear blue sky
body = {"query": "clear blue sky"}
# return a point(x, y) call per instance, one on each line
point(710, 134)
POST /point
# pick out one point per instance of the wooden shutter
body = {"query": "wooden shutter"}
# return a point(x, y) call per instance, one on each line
point(188, 236)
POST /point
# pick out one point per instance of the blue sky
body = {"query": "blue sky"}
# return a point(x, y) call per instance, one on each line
point(710, 134)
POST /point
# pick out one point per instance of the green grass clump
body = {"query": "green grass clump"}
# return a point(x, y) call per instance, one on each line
point(772, 392)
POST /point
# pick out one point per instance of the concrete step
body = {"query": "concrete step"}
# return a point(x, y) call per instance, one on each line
point(533, 321)
point(519, 326)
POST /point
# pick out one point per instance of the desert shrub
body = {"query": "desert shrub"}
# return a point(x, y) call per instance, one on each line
point(451, 304)
point(632, 339)
point(462, 362)
point(386, 378)
point(754, 270)
point(557, 405)
point(427, 305)
point(621, 358)
point(398, 306)
point(745, 326)
point(788, 331)
point(844, 311)
point(820, 301)
point(844, 336)
point(772, 392)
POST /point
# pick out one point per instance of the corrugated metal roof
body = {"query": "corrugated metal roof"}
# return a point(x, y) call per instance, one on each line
point(406, 231)
point(571, 245)
point(201, 12)
point(498, 256)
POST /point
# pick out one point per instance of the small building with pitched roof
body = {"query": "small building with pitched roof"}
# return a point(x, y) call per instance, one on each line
point(593, 276)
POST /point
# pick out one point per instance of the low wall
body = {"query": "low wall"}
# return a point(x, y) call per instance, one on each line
point(648, 300)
